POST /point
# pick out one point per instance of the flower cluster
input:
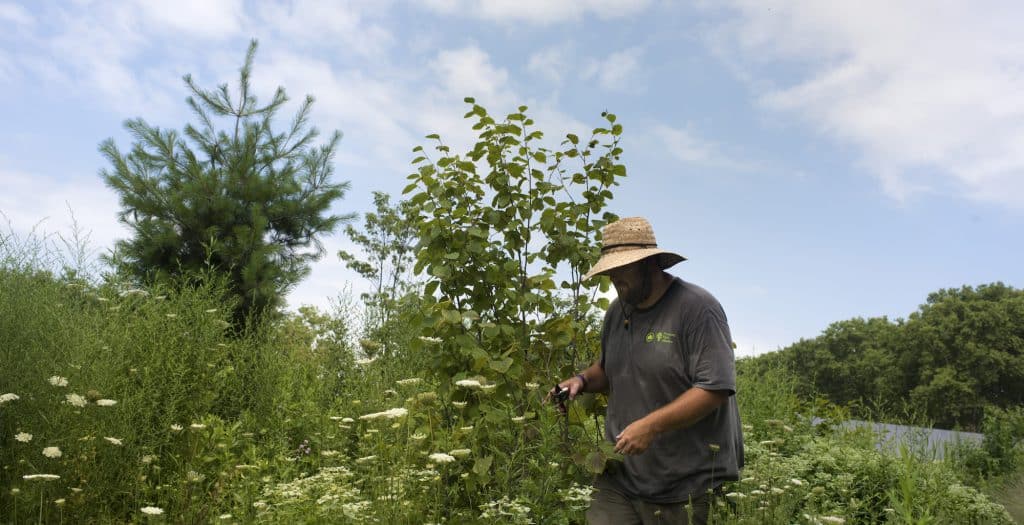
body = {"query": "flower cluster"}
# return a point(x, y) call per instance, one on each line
point(387, 414)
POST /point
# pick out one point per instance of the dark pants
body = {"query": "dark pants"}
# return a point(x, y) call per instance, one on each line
point(609, 506)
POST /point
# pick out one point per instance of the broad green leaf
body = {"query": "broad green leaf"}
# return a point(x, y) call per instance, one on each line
point(501, 365)
point(595, 462)
point(482, 466)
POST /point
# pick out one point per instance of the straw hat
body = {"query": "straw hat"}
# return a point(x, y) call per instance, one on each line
point(629, 240)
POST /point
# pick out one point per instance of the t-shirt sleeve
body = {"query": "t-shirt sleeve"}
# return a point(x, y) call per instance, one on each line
point(604, 333)
point(712, 360)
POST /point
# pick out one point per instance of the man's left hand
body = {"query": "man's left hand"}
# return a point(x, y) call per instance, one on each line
point(635, 438)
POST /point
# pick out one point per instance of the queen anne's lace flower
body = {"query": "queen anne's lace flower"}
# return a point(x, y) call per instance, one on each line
point(5, 398)
point(76, 400)
point(52, 452)
point(106, 402)
point(441, 457)
point(58, 381)
point(387, 414)
point(152, 511)
point(23, 437)
point(40, 477)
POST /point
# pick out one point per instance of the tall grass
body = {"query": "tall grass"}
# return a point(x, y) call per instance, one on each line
point(159, 413)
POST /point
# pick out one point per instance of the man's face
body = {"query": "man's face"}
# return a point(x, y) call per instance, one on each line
point(632, 282)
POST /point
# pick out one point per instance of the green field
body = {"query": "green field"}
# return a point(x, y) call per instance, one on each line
point(161, 414)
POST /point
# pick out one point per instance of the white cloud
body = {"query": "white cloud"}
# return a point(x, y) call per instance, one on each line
point(550, 63)
point(15, 14)
point(46, 206)
point(540, 12)
point(684, 145)
point(932, 93)
point(214, 20)
point(329, 24)
point(619, 72)
point(469, 72)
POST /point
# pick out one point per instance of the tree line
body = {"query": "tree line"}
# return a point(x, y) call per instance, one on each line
point(959, 354)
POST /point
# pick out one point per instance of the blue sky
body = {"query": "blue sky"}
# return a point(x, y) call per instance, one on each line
point(815, 161)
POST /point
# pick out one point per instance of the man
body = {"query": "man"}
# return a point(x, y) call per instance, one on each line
point(668, 368)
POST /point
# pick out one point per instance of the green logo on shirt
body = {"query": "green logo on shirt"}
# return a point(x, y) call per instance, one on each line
point(660, 337)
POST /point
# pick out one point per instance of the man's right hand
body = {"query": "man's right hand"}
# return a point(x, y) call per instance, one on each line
point(575, 386)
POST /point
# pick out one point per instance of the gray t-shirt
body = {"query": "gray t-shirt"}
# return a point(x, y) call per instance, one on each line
point(681, 342)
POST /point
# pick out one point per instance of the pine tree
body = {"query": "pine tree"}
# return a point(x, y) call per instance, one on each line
point(240, 199)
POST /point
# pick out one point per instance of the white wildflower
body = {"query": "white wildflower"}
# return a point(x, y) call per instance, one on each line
point(58, 381)
point(211, 310)
point(197, 426)
point(833, 519)
point(176, 427)
point(147, 459)
point(409, 381)
point(468, 383)
point(76, 400)
point(8, 397)
point(418, 436)
point(365, 459)
point(152, 511)
point(466, 428)
point(577, 496)
point(459, 404)
point(430, 340)
point(347, 420)
point(224, 516)
point(106, 402)
point(532, 386)
point(460, 452)
point(518, 419)
point(114, 441)
point(194, 477)
point(41, 477)
point(23, 437)
point(488, 388)
point(365, 361)
point(441, 457)
point(59, 501)
point(52, 452)
point(796, 482)
point(387, 414)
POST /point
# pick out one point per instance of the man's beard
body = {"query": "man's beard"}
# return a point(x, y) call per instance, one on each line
point(635, 296)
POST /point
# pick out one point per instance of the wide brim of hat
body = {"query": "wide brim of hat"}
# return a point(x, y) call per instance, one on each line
point(610, 261)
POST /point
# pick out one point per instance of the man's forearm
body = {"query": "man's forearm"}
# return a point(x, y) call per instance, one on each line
point(594, 379)
point(687, 409)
